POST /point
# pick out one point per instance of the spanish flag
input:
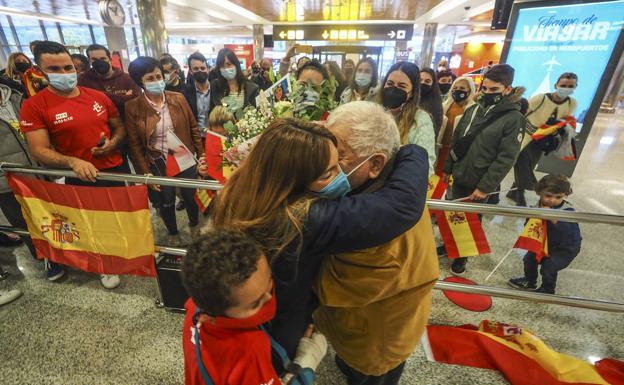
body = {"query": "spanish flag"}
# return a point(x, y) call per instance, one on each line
point(534, 238)
point(436, 188)
point(100, 230)
point(522, 357)
point(203, 198)
point(546, 130)
point(214, 147)
point(462, 234)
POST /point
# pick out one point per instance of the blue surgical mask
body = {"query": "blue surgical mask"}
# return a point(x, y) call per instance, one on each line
point(363, 79)
point(228, 73)
point(155, 88)
point(563, 92)
point(63, 82)
point(340, 186)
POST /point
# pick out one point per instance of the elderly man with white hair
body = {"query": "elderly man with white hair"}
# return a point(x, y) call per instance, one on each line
point(375, 302)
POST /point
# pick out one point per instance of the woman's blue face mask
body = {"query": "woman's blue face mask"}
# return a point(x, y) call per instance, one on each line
point(340, 185)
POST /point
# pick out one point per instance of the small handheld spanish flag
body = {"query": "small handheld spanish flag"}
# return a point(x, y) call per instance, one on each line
point(203, 198)
point(462, 234)
point(99, 230)
point(534, 238)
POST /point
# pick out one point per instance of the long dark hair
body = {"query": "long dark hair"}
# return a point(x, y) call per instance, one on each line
point(408, 113)
point(221, 83)
point(374, 79)
point(432, 103)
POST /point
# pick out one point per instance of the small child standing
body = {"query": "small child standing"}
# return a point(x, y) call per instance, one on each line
point(564, 238)
point(231, 287)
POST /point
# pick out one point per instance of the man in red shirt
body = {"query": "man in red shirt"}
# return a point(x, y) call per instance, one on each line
point(231, 288)
point(69, 127)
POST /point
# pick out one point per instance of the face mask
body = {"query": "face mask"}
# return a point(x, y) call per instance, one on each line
point(200, 76)
point(340, 186)
point(167, 78)
point(22, 66)
point(228, 73)
point(393, 97)
point(155, 88)
point(311, 96)
point(444, 88)
point(101, 66)
point(564, 92)
point(491, 99)
point(459, 96)
point(363, 79)
point(63, 82)
point(425, 89)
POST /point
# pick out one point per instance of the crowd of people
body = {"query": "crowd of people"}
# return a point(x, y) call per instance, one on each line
point(322, 233)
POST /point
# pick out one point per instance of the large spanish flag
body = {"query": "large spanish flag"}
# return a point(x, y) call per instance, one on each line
point(534, 238)
point(462, 234)
point(436, 188)
point(100, 230)
point(547, 130)
point(214, 146)
point(522, 357)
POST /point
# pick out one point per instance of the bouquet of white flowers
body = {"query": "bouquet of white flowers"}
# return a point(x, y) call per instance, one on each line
point(242, 135)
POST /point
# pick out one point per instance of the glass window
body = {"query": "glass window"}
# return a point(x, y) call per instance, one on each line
point(7, 32)
point(52, 31)
point(100, 36)
point(76, 35)
point(27, 30)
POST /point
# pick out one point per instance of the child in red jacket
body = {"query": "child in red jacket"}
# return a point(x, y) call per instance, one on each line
point(231, 288)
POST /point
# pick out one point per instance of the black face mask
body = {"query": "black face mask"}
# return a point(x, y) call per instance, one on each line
point(22, 66)
point(425, 89)
point(459, 96)
point(200, 76)
point(444, 88)
point(101, 66)
point(393, 97)
point(491, 99)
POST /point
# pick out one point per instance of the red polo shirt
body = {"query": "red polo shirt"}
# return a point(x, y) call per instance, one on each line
point(74, 124)
point(234, 351)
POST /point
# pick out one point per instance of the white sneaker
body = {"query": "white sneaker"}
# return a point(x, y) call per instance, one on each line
point(7, 296)
point(109, 281)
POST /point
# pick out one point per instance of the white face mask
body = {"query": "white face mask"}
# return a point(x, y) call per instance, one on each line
point(363, 79)
point(564, 92)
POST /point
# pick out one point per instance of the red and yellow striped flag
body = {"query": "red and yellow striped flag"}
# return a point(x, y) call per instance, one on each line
point(534, 238)
point(462, 234)
point(523, 358)
point(203, 198)
point(100, 230)
point(436, 188)
point(214, 147)
point(546, 130)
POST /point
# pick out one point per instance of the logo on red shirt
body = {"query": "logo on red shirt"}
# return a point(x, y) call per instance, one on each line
point(97, 107)
point(63, 117)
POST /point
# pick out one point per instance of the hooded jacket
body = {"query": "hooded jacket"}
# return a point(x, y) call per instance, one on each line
point(494, 150)
point(120, 87)
point(375, 302)
point(13, 148)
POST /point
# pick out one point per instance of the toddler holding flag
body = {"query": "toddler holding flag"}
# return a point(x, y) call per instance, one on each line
point(563, 238)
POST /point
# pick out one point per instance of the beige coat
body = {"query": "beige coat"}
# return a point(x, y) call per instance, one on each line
point(375, 303)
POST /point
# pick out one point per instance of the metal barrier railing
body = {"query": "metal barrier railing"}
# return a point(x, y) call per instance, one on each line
point(511, 211)
point(433, 204)
point(593, 304)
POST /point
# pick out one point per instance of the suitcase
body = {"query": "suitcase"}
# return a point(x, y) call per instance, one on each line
point(169, 277)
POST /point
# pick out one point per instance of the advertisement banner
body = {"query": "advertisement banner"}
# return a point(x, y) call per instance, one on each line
point(547, 41)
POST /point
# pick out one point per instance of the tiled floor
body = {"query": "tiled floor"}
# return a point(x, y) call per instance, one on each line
point(76, 332)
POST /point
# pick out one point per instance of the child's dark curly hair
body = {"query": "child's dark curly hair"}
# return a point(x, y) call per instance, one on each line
point(221, 261)
point(554, 184)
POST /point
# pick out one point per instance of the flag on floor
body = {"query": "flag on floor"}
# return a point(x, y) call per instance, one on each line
point(547, 130)
point(436, 188)
point(462, 234)
point(522, 357)
point(99, 230)
point(534, 238)
point(180, 158)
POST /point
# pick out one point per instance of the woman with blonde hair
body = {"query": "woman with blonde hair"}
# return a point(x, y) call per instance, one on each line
point(400, 94)
point(17, 64)
point(461, 97)
point(276, 196)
